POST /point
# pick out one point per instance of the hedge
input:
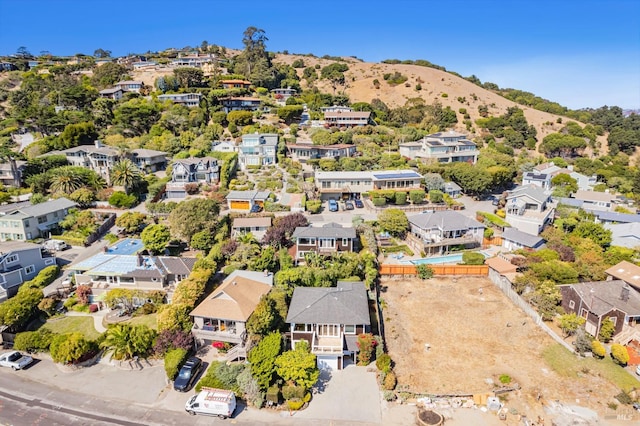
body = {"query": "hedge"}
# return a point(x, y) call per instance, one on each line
point(33, 340)
point(493, 219)
point(44, 277)
point(173, 361)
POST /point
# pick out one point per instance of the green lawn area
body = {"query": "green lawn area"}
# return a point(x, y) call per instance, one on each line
point(70, 324)
point(148, 320)
point(567, 364)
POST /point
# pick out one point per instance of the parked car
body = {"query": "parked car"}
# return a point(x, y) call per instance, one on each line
point(333, 206)
point(187, 375)
point(212, 402)
point(348, 205)
point(256, 208)
point(15, 360)
point(359, 204)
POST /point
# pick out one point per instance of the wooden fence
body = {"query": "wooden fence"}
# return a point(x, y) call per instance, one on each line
point(494, 241)
point(482, 270)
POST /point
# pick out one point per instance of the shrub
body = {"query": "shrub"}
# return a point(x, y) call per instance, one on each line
point(606, 330)
point(383, 362)
point(173, 361)
point(379, 201)
point(619, 354)
point(389, 395)
point(293, 392)
point(273, 394)
point(424, 271)
point(70, 348)
point(417, 196)
point(390, 381)
point(33, 340)
point(314, 206)
point(401, 198)
point(505, 379)
point(471, 258)
point(295, 405)
point(598, 349)
point(172, 339)
point(121, 200)
point(367, 345)
point(488, 232)
point(82, 293)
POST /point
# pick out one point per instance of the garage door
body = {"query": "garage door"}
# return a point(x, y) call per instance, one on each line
point(240, 205)
point(327, 363)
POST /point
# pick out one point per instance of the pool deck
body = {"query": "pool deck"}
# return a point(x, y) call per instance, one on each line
point(406, 260)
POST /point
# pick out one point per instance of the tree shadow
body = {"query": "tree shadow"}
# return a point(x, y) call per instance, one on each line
point(323, 381)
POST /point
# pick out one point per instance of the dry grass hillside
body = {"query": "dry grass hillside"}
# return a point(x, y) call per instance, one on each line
point(435, 83)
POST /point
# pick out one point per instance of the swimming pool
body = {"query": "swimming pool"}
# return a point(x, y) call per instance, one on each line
point(126, 246)
point(437, 260)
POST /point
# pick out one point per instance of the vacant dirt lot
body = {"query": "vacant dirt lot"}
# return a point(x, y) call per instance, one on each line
point(473, 337)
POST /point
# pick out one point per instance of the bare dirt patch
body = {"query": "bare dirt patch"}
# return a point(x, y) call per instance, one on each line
point(474, 336)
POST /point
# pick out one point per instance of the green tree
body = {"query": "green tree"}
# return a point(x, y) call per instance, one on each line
point(83, 196)
point(174, 317)
point(569, 323)
point(78, 134)
point(607, 328)
point(290, 113)
point(394, 221)
point(546, 298)
point(265, 318)
point(65, 180)
point(594, 231)
point(298, 366)
point(424, 271)
point(202, 240)
point(131, 222)
point(70, 347)
point(155, 238)
point(436, 196)
point(192, 216)
point(101, 53)
point(189, 77)
point(598, 349)
point(125, 173)
point(136, 116)
point(619, 354)
point(262, 359)
point(240, 118)
point(125, 341)
point(108, 74)
point(565, 184)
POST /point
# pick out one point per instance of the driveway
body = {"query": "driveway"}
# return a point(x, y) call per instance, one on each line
point(347, 395)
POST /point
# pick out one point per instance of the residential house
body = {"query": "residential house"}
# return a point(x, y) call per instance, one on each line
point(282, 94)
point(335, 108)
point(446, 147)
point(436, 232)
point(257, 226)
point(114, 93)
point(613, 218)
point(347, 118)
point(513, 239)
point(529, 209)
point(195, 59)
point(235, 84)
point(27, 223)
point(597, 301)
point(245, 200)
point(187, 99)
point(130, 86)
point(353, 184)
point(223, 315)
point(307, 151)
point(542, 174)
point(143, 64)
point(327, 239)
point(97, 157)
point(627, 272)
point(625, 234)
point(595, 200)
point(8, 66)
point(191, 170)
point(20, 262)
point(105, 271)
point(330, 319)
point(234, 103)
point(149, 160)
point(257, 149)
point(410, 149)
point(223, 146)
point(11, 172)
point(452, 189)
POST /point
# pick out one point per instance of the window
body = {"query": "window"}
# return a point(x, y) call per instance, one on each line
point(29, 269)
point(572, 304)
point(345, 241)
point(327, 243)
point(42, 219)
point(302, 327)
point(583, 313)
point(49, 261)
point(13, 258)
point(331, 330)
point(349, 329)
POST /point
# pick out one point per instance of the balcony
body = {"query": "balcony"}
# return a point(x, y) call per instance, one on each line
point(439, 242)
point(328, 345)
point(214, 333)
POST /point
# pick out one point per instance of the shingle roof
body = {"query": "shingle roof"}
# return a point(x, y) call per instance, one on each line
point(602, 296)
point(624, 234)
point(532, 191)
point(330, 230)
point(626, 271)
point(345, 304)
point(141, 152)
point(522, 238)
point(446, 220)
point(594, 196)
point(248, 195)
point(500, 265)
point(245, 222)
point(615, 217)
point(47, 207)
point(177, 265)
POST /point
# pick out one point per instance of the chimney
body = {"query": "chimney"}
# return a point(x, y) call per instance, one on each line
point(266, 272)
point(140, 260)
point(98, 144)
point(624, 293)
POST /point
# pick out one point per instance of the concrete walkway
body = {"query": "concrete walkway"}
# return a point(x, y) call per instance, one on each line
point(98, 317)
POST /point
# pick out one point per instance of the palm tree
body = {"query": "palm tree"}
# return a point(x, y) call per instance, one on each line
point(126, 174)
point(65, 180)
point(117, 341)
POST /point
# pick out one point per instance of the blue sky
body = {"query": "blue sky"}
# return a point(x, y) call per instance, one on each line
point(578, 53)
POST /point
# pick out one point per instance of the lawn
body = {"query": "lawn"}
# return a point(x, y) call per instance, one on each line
point(70, 324)
point(148, 320)
point(567, 364)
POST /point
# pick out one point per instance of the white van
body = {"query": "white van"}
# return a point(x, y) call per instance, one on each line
point(56, 245)
point(212, 402)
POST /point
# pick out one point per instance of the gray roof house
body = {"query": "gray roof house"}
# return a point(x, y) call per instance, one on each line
point(20, 262)
point(149, 160)
point(27, 223)
point(606, 217)
point(597, 301)
point(625, 234)
point(330, 319)
point(435, 232)
point(327, 239)
point(244, 200)
point(452, 189)
point(529, 209)
point(191, 170)
point(513, 239)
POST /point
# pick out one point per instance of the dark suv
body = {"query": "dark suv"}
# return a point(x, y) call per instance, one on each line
point(187, 375)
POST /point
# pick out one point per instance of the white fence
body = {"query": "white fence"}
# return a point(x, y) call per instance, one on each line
point(505, 285)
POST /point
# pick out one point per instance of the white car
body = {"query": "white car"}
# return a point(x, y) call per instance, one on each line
point(15, 360)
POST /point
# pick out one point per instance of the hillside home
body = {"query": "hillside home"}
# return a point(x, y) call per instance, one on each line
point(223, 146)
point(196, 60)
point(97, 157)
point(513, 239)
point(11, 174)
point(148, 160)
point(235, 84)
point(130, 86)
point(30, 222)
point(335, 108)
point(410, 149)
point(257, 150)
point(114, 93)
point(192, 170)
point(187, 99)
point(20, 262)
point(452, 189)
point(240, 104)
point(222, 315)
point(104, 272)
point(245, 200)
point(613, 218)
point(143, 64)
point(542, 174)
point(339, 185)
point(529, 209)
point(597, 301)
point(327, 239)
point(592, 200)
point(347, 118)
point(257, 226)
point(627, 272)
point(446, 147)
point(330, 320)
point(307, 151)
point(282, 94)
point(436, 232)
